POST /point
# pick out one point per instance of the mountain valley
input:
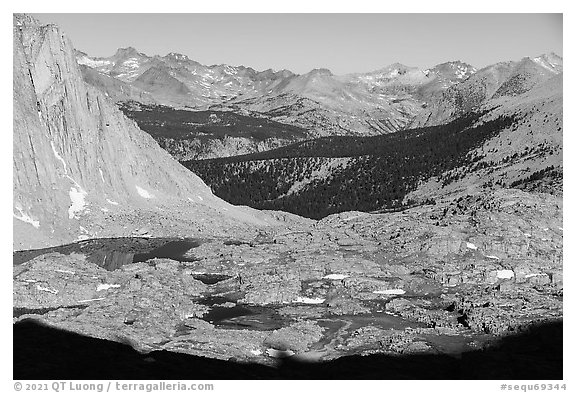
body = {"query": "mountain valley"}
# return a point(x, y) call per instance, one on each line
point(257, 218)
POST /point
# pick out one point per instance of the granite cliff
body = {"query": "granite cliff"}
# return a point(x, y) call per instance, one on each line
point(81, 168)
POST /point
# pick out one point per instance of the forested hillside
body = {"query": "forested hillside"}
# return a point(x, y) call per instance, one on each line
point(335, 174)
point(188, 134)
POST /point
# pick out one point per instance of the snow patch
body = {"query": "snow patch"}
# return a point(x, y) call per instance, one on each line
point(471, 246)
point(505, 274)
point(395, 291)
point(26, 218)
point(85, 60)
point(104, 287)
point(256, 352)
point(492, 257)
point(545, 64)
point(46, 289)
point(59, 157)
point(535, 275)
point(131, 63)
point(275, 353)
point(91, 300)
point(143, 193)
point(461, 72)
point(309, 300)
point(65, 271)
point(199, 197)
point(101, 175)
point(77, 196)
point(111, 202)
point(336, 276)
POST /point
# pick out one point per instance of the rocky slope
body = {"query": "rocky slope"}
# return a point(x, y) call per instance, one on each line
point(442, 279)
point(528, 155)
point(81, 168)
point(114, 88)
point(507, 79)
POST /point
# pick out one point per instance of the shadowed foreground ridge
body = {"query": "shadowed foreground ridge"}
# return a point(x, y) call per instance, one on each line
point(41, 352)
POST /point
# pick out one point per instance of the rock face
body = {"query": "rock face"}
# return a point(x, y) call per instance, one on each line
point(159, 82)
point(114, 88)
point(77, 158)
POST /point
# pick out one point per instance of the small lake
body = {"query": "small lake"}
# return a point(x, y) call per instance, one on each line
point(210, 278)
point(241, 316)
point(112, 253)
point(19, 311)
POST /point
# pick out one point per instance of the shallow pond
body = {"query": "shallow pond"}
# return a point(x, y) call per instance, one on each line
point(241, 316)
point(112, 253)
point(19, 311)
point(211, 279)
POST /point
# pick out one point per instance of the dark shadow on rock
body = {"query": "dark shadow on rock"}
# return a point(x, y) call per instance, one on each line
point(535, 354)
point(42, 352)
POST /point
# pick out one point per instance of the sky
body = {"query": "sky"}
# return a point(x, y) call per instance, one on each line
point(343, 43)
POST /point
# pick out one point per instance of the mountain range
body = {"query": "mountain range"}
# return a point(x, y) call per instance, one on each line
point(390, 99)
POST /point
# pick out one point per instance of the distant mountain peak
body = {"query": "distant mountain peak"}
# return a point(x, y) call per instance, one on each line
point(321, 71)
point(129, 51)
point(397, 66)
point(455, 63)
point(25, 19)
point(550, 56)
point(457, 68)
point(551, 61)
point(177, 56)
point(391, 71)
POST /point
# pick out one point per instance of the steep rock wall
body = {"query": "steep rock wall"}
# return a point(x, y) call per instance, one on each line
point(76, 157)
